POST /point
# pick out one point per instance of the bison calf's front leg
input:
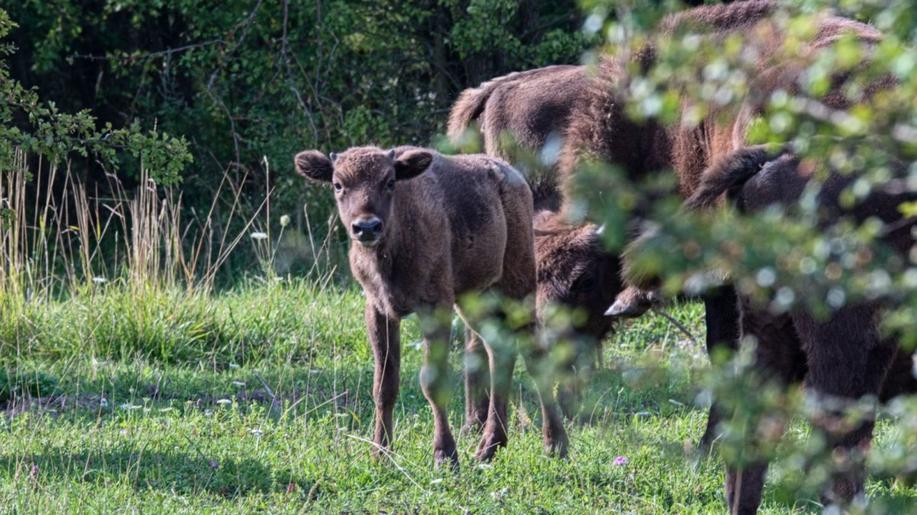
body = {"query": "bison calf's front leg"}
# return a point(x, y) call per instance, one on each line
point(386, 343)
point(434, 381)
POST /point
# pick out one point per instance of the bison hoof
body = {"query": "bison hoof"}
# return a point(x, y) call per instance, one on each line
point(488, 447)
point(557, 446)
point(472, 426)
point(486, 453)
point(445, 457)
point(379, 452)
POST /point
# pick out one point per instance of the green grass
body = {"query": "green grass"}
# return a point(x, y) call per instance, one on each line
point(260, 400)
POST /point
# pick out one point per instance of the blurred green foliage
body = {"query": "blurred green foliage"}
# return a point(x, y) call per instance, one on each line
point(788, 257)
point(700, 80)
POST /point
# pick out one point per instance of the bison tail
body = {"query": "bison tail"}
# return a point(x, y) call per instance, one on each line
point(729, 175)
point(468, 107)
point(471, 102)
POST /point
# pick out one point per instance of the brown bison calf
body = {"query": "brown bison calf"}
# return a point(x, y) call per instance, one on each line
point(842, 357)
point(425, 230)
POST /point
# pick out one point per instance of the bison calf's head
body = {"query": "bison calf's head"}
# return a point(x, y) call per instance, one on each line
point(575, 270)
point(365, 181)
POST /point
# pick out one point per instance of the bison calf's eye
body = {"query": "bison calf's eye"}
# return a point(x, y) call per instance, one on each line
point(390, 185)
point(338, 187)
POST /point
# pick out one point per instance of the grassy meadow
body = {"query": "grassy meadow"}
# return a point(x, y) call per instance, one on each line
point(178, 331)
point(259, 399)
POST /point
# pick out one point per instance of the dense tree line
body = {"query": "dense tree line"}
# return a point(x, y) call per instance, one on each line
point(249, 79)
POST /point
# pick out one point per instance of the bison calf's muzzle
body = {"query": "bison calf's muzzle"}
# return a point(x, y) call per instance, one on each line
point(367, 230)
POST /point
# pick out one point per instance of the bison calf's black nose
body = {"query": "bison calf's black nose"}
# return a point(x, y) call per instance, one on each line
point(367, 229)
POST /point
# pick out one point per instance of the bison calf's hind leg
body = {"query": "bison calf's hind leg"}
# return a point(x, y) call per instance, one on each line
point(434, 381)
point(501, 359)
point(477, 382)
point(386, 343)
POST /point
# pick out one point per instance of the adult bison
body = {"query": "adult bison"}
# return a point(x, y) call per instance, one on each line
point(522, 117)
point(842, 357)
point(426, 229)
point(602, 130)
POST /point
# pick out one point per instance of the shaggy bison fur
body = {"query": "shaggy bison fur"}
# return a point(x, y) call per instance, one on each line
point(600, 129)
point(842, 357)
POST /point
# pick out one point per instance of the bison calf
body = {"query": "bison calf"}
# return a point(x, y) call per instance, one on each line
point(426, 229)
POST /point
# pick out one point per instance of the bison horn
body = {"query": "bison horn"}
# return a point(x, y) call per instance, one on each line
point(333, 156)
point(600, 230)
point(391, 154)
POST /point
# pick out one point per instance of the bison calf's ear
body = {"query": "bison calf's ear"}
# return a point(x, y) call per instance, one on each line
point(411, 164)
point(313, 165)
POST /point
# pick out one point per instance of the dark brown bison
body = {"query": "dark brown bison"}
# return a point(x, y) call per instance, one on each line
point(842, 357)
point(693, 149)
point(577, 275)
point(426, 229)
point(522, 117)
point(601, 129)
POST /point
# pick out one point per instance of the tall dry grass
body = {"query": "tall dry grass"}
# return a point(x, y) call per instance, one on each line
point(134, 268)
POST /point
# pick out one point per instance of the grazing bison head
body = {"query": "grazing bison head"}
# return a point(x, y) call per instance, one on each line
point(576, 271)
point(633, 302)
point(365, 184)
